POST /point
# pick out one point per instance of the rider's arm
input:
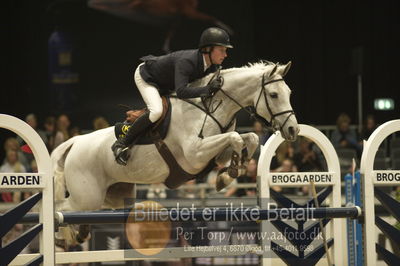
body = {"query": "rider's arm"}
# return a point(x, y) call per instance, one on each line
point(183, 68)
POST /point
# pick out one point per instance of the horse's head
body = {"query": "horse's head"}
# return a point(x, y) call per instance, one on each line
point(260, 85)
point(273, 101)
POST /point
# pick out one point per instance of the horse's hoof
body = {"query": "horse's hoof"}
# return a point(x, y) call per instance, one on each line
point(223, 180)
point(81, 239)
point(233, 172)
point(61, 243)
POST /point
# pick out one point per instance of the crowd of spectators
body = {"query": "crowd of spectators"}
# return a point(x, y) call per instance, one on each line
point(53, 132)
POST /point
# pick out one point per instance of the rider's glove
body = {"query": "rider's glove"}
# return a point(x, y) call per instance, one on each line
point(214, 86)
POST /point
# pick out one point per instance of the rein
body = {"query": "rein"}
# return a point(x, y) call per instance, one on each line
point(271, 125)
point(206, 109)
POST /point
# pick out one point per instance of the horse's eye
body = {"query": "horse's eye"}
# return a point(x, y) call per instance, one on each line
point(273, 95)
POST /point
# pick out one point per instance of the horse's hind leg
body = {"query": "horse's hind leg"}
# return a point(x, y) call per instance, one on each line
point(120, 195)
point(69, 235)
point(86, 193)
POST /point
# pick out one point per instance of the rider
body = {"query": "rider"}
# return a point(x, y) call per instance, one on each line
point(162, 75)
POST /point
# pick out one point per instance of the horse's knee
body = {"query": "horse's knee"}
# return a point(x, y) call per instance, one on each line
point(253, 138)
point(236, 141)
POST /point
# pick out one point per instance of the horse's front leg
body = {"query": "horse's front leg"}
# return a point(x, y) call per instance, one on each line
point(228, 174)
point(203, 150)
point(251, 143)
point(239, 161)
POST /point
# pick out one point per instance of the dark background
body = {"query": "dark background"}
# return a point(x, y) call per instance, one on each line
point(318, 36)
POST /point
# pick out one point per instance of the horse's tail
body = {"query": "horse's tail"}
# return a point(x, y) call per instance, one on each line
point(58, 157)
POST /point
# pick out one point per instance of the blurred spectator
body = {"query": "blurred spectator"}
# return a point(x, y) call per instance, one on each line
point(13, 144)
point(100, 123)
point(249, 177)
point(306, 160)
point(343, 136)
point(286, 166)
point(34, 167)
point(75, 131)
point(54, 136)
point(261, 133)
point(368, 127)
point(31, 120)
point(12, 163)
point(63, 124)
point(284, 151)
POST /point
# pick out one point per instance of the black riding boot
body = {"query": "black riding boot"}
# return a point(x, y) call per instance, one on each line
point(120, 147)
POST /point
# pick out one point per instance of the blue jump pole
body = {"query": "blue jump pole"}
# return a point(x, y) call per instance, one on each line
point(207, 214)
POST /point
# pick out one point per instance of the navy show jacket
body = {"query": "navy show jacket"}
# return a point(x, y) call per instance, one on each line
point(174, 71)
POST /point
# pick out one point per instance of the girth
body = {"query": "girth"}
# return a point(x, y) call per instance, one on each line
point(177, 176)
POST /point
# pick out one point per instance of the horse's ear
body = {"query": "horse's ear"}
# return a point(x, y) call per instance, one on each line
point(286, 68)
point(273, 70)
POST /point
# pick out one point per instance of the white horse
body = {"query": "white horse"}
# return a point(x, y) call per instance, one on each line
point(86, 168)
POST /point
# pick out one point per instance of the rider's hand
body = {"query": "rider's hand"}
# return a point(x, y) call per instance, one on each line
point(215, 86)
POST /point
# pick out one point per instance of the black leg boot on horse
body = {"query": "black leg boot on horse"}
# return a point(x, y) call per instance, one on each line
point(121, 146)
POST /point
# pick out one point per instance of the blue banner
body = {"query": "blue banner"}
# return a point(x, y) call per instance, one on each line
point(63, 77)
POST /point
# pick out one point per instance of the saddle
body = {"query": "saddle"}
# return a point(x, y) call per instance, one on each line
point(160, 127)
point(156, 135)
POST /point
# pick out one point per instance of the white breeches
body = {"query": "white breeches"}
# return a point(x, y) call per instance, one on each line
point(150, 95)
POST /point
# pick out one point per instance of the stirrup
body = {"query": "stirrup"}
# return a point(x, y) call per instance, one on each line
point(120, 152)
point(122, 156)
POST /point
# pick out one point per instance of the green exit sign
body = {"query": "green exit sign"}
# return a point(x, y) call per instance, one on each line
point(384, 104)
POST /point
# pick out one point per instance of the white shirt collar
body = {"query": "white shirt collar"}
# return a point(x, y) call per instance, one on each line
point(204, 62)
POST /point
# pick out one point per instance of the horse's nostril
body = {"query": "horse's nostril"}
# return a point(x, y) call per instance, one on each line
point(292, 132)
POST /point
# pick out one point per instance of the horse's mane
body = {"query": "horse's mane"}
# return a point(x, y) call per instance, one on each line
point(262, 65)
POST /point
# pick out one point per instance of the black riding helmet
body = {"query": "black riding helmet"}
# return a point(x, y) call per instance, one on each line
point(214, 37)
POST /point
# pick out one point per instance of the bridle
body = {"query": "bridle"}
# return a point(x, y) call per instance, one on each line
point(270, 125)
point(263, 92)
